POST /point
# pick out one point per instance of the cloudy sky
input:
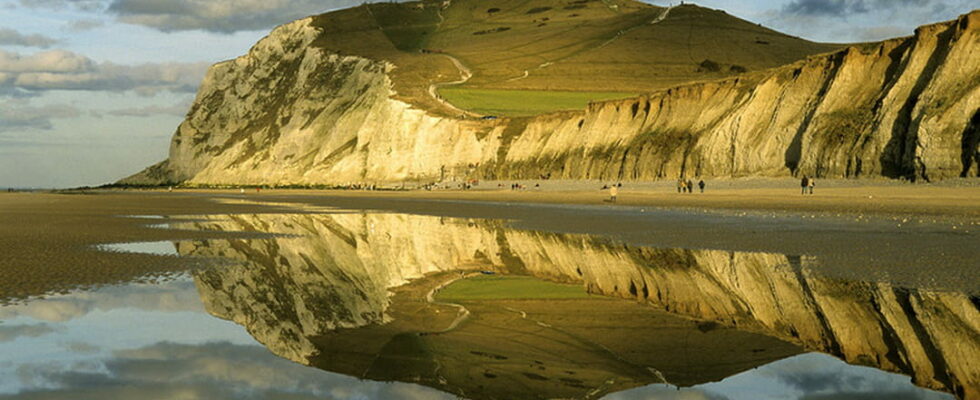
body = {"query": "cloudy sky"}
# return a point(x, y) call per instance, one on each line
point(91, 90)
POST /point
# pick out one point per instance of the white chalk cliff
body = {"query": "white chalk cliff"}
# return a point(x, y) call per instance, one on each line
point(290, 112)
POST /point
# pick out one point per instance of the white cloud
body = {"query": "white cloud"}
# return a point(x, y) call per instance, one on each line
point(223, 16)
point(65, 70)
point(875, 33)
point(83, 5)
point(178, 109)
point(80, 25)
point(844, 7)
point(17, 115)
point(59, 61)
point(14, 38)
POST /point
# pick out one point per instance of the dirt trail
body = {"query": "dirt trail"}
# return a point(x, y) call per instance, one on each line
point(465, 75)
point(462, 312)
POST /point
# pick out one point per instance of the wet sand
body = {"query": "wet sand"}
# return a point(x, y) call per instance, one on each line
point(48, 240)
point(912, 236)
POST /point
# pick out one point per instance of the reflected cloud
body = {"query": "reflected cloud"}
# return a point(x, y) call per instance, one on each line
point(208, 371)
point(823, 377)
point(172, 296)
point(9, 333)
point(664, 392)
point(81, 348)
point(808, 376)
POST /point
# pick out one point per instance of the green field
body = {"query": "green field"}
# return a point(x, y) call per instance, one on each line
point(495, 287)
point(521, 103)
point(529, 57)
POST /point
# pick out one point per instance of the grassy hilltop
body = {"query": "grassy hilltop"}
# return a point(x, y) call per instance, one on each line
point(531, 56)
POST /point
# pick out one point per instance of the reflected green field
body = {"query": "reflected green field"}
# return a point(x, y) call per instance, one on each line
point(522, 103)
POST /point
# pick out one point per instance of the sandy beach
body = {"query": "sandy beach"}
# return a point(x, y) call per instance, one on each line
point(956, 201)
point(901, 233)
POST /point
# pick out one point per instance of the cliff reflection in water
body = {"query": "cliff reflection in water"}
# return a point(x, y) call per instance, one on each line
point(344, 294)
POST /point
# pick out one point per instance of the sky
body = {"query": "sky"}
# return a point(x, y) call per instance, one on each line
point(92, 90)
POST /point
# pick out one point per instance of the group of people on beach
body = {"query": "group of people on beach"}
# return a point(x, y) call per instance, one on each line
point(687, 186)
point(806, 185)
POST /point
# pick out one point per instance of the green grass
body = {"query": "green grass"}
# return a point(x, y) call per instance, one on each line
point(521, 103)
point(591, 52)
point(407, 27)
point(495, 287)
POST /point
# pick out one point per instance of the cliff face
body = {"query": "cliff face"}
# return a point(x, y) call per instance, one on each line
point(292, 113)
point(337, 274)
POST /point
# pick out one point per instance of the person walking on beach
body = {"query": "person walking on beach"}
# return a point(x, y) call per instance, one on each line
point(680, 185)
point(804, 183)
point(690, 186)
point(613, 191)
point(701, 185)
point(810, 184)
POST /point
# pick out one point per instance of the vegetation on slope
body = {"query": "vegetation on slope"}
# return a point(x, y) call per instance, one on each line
point(522, 103)
point(509, 287)
point(593, 47)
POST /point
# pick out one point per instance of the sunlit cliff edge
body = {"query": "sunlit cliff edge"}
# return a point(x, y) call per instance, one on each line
point(290, 112)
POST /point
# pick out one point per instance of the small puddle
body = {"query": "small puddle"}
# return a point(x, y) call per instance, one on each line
point(164, 248)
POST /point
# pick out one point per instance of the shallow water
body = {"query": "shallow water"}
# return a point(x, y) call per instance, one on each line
point(349, 306)
point(155, 248)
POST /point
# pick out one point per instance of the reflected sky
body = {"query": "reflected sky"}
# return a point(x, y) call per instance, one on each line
point(155, 341)
point(155, 248)
point(810, 376)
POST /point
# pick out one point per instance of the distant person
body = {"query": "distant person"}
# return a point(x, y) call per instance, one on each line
point(804, 184)
point(810, 184)
point(170, 188)
point(680, 186)
point(690, 186)
point(701, 185)
point(613, 191)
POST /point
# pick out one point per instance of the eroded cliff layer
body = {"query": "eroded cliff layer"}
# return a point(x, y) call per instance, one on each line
point(292, 112)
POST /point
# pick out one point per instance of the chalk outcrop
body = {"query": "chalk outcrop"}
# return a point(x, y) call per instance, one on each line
point(290, 112)
point(337, 272)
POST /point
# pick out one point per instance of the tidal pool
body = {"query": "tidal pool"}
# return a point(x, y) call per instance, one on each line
point(354, 305)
